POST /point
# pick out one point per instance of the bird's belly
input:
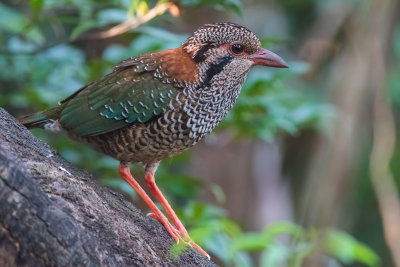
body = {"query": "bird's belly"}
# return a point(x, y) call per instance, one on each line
point(150, 142)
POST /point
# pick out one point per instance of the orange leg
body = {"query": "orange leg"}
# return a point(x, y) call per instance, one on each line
point(151, 184)
point(127, 176)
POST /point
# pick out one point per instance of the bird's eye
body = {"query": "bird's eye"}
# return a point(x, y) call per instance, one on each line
point(237, 48)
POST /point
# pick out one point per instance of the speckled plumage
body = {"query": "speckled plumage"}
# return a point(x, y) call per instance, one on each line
point(156, 105)
point(196, 108)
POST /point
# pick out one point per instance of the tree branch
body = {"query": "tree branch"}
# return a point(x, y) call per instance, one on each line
point(132, 23)
point(52, 214)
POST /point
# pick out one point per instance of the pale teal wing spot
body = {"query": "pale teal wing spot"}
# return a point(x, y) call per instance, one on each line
point(114, 102)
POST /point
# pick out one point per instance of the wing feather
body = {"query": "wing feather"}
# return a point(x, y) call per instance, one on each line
point(130, 94)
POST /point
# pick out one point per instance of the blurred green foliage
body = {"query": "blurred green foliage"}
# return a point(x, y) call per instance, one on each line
point(266, 106)
point(41, 63)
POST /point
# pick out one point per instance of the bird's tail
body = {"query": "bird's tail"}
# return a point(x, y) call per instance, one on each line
point(40, 119)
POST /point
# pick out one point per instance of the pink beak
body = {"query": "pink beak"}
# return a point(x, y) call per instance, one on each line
point(265, 57)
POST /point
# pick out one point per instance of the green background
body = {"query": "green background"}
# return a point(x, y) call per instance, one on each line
point(290, 176)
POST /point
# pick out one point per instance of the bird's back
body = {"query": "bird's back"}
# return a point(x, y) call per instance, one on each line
point(157, 105)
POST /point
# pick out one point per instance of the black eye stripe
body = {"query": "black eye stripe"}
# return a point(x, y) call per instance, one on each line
point(215, 69)
point(200, 55)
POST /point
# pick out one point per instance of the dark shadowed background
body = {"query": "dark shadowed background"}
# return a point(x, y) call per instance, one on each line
point(304, 171)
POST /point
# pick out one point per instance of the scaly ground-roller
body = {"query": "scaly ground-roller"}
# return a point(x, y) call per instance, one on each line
point(154, 106)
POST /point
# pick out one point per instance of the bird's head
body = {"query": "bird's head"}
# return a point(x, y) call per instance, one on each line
point(230, 47)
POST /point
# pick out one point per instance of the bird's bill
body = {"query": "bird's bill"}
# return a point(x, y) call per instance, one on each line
point(265, 57)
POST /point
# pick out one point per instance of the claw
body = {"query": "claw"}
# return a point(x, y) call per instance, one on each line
point(176, 235)
point(186, 239)
point(198, 248)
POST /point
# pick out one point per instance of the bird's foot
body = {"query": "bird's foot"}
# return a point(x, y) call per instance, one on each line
point(179, 236)
point(191, 243)
point(170, 229)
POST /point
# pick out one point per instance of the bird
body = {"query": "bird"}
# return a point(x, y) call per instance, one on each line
point(156, 105)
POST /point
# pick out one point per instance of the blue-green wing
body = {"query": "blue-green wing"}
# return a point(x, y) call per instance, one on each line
point(121, 98)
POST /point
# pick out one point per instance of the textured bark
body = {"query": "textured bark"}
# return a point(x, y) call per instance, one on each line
point(52, 214)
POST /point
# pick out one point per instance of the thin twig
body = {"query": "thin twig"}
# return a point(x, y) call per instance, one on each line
point(131, 23)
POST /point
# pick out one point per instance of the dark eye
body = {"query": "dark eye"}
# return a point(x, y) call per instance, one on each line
point(237, 48)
